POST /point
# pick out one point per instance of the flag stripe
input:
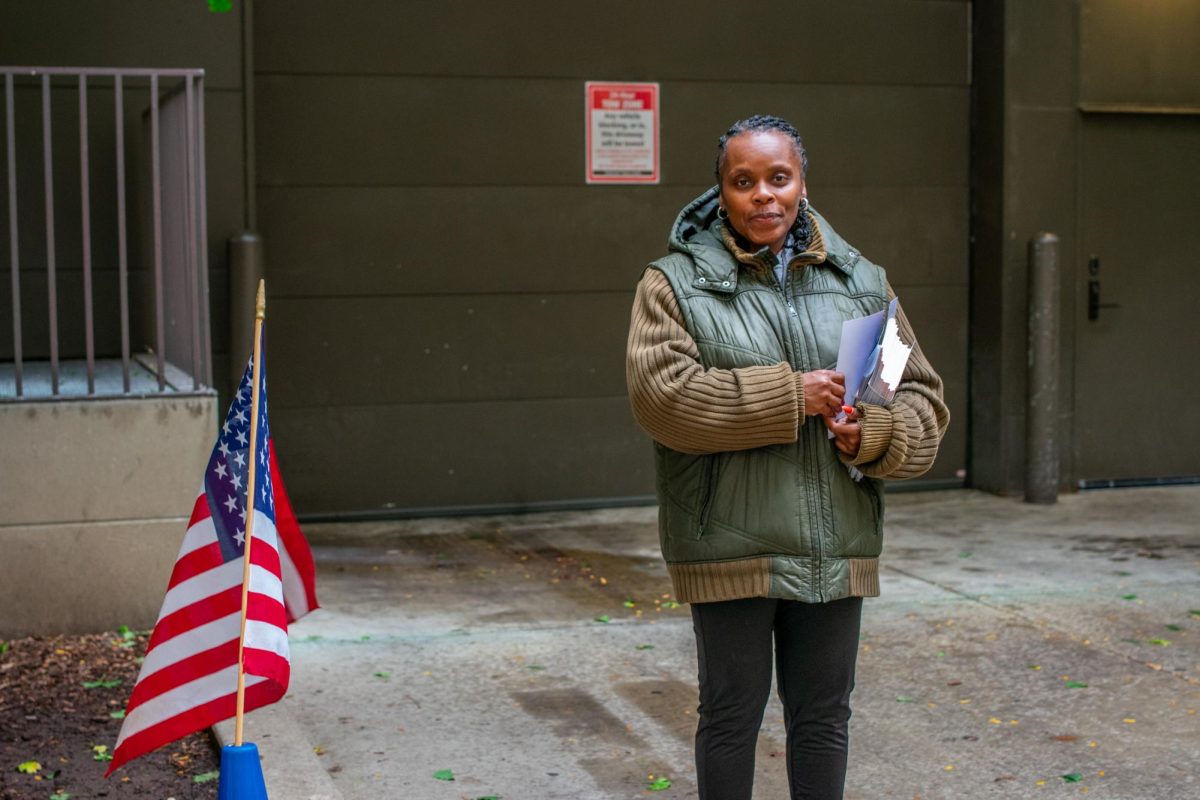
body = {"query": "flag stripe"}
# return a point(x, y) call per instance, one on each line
point(182, 672)
point(209, 635)
point(197, 614)
point(202, 559)
point(259, 693)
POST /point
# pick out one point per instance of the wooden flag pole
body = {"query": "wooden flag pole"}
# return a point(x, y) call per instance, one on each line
point(260, 314)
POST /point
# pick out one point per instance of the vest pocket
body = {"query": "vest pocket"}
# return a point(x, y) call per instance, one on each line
point(712, 473)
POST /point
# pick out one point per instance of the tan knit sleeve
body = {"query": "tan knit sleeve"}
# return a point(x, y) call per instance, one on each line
point(901, 440)
point(696, 410)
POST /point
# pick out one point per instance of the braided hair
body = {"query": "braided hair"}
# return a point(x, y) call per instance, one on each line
point(801, 229)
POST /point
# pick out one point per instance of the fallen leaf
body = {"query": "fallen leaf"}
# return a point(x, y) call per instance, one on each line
point(964, 554)
point(659, 784)
point(1160, 642)
point(904, 699)
point(1129, 597)
point(1194, 613)
point(949, 768)
point(645, 647)
point(3, 648)
point(629, 604)
point(994, 721)
point(1065, 738)
point(444, 775)
point(100, 753)
point(670, 604)
point(603, 618)
point(1129, 720)
point(1072, 777)
point(383, 675)
point(117, 714)
point(60, 796)
point(1173, 627)
point(1076, 685)
point(1035, 667)
point(29, 767)
point(102, 684)
point(205, 777)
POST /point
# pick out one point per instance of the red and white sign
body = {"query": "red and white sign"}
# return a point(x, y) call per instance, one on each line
point(622, 132)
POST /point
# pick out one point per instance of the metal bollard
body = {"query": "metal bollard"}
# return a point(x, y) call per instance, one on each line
point(245, 271)
point(1041, 417)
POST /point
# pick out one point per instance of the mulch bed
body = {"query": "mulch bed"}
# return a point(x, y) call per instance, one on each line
point(61, 700)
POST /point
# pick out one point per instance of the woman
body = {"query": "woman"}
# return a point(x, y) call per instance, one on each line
point(764, 530)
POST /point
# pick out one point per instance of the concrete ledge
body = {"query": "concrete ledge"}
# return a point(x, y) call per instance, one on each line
point(85, 577)
point(290, 767)
point(97, 460)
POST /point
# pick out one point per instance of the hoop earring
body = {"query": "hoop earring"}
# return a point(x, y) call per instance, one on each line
point(722, 213)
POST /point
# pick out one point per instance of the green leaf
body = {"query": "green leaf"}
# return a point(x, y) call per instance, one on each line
point(1072, 777)
point(1194, 613)
point(312, 637)
point(384, 675)
point(1076, 685)
point(904, 699)
point(444, 775)
point(117, 714)
point(3, 648)
point(100, 753)
point(1173, 627)
point(126, 633)
point(535, 667)
point(670, 604)
point(102, 684)
point(965, 554)
point(29, 767)
point(489, 797)
point(659, 784)
point(364, 638)
point(1160, 642)
point(1129, 597)
point(1133, 641)
point(1123, 573)
point(603, 618)
point(60, 795)
point(645, 647)
point(941, 653)
point(629, 604)
point(205, 777)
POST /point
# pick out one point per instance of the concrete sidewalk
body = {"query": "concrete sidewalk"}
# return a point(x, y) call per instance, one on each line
point(1017, 651)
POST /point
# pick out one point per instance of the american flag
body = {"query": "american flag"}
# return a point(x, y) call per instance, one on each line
point(189, 678)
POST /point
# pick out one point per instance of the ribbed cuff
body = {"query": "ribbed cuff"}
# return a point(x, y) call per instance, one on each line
point(876, 422)
point(799, 377)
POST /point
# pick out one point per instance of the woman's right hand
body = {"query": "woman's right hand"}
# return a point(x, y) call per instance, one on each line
point(824, 392)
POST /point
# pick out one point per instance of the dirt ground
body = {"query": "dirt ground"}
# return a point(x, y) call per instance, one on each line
point(61, 704)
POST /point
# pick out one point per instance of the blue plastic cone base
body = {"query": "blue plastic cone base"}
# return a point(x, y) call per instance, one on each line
point(241, 773)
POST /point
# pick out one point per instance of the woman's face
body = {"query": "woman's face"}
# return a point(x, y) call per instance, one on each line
point(761, 186)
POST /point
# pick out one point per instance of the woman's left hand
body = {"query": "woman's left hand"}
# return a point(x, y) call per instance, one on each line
point(847, 433)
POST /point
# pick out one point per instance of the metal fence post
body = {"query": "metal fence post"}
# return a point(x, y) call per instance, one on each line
point(245, 270)
point(1041, 416)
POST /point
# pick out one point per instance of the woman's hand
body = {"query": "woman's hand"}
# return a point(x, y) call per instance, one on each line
point(824, 390)
point(847, 433)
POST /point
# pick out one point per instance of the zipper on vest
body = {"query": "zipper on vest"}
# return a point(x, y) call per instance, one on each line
point(813, 488)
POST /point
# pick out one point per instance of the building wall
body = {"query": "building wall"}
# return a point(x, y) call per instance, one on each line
point(449, 300)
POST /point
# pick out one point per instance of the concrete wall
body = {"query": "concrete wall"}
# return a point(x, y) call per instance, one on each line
point(94, 502)
point(450, 300)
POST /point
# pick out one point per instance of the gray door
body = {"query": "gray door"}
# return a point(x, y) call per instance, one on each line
point(1137, 360)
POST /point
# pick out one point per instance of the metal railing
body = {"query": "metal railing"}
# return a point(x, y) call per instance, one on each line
point(175, 338)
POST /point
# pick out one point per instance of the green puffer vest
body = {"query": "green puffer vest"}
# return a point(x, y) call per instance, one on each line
point(812, 531)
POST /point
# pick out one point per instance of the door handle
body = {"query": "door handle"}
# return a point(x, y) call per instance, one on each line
point(1094, 305)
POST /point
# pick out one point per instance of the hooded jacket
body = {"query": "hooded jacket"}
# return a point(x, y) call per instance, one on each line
point(754, 499)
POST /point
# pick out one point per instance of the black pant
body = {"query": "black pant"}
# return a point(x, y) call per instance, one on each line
point(816, 645)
